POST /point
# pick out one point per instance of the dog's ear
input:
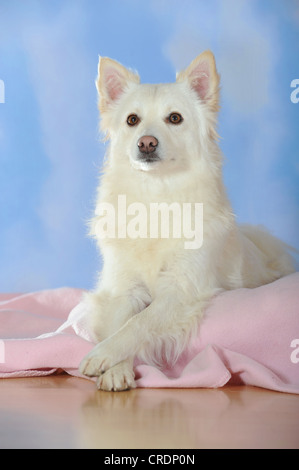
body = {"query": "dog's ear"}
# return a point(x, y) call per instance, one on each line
point(113, 78)
point(203, 78)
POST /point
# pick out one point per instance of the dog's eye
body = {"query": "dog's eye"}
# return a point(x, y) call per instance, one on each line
point(132, 120)
point(175, 118)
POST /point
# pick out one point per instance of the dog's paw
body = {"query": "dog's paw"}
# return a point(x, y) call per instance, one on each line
point(118, 378)
point(101, 358)
point(94, 364)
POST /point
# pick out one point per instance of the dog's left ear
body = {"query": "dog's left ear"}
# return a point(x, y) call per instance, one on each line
point(203, 79)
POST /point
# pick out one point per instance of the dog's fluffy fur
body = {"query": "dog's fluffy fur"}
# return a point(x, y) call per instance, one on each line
point(152, 292)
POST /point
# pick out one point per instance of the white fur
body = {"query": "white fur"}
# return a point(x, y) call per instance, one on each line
point(153, 292)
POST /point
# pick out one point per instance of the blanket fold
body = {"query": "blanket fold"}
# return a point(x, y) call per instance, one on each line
point(247, 336)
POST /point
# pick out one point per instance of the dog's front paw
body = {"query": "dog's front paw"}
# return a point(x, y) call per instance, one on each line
point(118, 378)
point(100, 359)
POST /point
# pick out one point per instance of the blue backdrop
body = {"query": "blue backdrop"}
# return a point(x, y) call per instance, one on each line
point(50, 150)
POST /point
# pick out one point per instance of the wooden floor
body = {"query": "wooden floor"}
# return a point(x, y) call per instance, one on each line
point(67, 412)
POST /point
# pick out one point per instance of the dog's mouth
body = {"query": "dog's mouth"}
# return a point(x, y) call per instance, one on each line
point(148, 158)
point(146, 162)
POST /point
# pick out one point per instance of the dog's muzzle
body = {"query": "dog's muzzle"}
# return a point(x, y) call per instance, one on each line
point(147, 148)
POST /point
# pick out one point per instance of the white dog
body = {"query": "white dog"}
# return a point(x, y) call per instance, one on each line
point(153, 290)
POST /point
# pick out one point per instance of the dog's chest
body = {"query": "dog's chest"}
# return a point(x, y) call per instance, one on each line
point(146, 258)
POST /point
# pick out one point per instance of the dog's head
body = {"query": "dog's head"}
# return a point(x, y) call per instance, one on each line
point(159, 128)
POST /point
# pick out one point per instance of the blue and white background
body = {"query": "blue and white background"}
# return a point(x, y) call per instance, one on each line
point(50, 150)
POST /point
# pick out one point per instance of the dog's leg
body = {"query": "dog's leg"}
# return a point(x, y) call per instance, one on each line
point(108, 313)
point(167, 319)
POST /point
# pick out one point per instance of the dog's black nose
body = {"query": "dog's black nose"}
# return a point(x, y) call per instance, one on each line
point(147, 144)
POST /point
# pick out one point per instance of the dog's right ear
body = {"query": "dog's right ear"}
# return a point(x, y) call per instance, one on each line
point(113, 79)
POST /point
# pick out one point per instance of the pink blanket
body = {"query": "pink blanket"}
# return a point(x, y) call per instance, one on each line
point(247, 336)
